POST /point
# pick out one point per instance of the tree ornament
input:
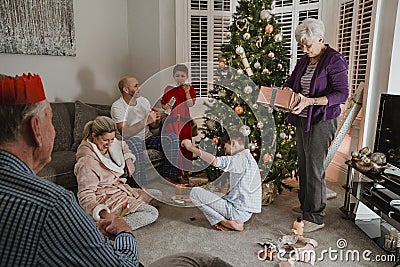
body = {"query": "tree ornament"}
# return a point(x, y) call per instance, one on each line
point(269, 28)
point(267, 158)
point(265, 14)
point(242, 24)
point(221, 62)
point(248, 89)
point(246, 36)
point(280, 66)
point(282, 135)
point(278, 155)
point(260, 124)
point(245, 130)
point(222, 93)
point(240, 51)
point(240, 71)
point(271, 55)
point(215, 140)
point(273, 5)
point(252, 147)
point(259, 41)
point(266, 71)
point(228, 35)
point(279, 37)
point(255, 106)
point(239, 110)
point(257, 65)
point(210, 124)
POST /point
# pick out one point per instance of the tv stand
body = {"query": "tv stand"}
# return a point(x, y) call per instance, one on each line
point(379, 192)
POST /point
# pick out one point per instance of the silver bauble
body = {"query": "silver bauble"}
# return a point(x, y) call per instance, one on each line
point(222, 93)
point(278, 37)
point(257, 65)
point(265, 71)
point(282, 135)
point(246, 36)
point(240, 50)
point(255, 106)
point(355, 154)
point(245, 130)
point(210, 124)
point(248, 89)
point(265, 14)
point(280, 66)
point(271, 54)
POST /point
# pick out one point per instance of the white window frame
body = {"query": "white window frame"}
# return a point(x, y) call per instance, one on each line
point(183, 31)
point(295, 9)
point(183, 28)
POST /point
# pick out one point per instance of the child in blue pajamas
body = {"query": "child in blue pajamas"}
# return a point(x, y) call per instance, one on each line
point(231, 211)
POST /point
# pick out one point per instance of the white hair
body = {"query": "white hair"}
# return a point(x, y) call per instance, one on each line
point(13, 118)
point(310, 29)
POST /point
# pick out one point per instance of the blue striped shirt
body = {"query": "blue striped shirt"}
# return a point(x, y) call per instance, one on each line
point(41, 224)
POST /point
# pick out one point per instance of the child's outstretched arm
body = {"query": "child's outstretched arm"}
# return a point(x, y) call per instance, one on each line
point(207, 157)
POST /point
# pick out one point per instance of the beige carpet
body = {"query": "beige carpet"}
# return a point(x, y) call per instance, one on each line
point(181, 229)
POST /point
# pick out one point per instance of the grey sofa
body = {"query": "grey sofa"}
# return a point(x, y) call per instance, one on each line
point(68, 120)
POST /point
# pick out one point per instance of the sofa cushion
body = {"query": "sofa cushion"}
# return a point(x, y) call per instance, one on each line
point(63, 121)
point(83, 114)
point(61, 169)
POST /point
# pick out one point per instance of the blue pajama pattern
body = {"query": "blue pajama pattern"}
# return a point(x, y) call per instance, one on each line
point(216, 208)
point(166, 143)
point(244, 195)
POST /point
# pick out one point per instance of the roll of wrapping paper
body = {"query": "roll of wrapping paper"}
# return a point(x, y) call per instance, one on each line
point(350, 111)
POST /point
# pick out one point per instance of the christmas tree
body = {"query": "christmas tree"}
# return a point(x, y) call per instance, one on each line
point(254, 56)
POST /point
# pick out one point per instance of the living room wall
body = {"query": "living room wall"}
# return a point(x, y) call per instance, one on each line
point(151, 27)
point(102, 56)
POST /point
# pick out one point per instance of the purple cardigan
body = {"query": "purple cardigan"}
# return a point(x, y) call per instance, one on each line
point(330, 79)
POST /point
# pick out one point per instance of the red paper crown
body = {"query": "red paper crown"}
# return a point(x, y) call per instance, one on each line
point(25, 89)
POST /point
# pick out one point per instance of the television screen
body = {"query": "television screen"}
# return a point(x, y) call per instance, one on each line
point(387, 138)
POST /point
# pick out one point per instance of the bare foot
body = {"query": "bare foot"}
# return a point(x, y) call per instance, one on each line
point(221, 227)
point(234, 225)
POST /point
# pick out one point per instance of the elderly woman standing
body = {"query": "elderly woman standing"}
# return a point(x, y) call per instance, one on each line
point(321, 78)
point(101, 160)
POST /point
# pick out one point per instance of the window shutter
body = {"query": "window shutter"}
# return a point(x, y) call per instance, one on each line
point(209, 20)
point(354, 36)
point(305, 14)
point(345, 29)
point(291, 14)
point(362, 35)
point(198, 52)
